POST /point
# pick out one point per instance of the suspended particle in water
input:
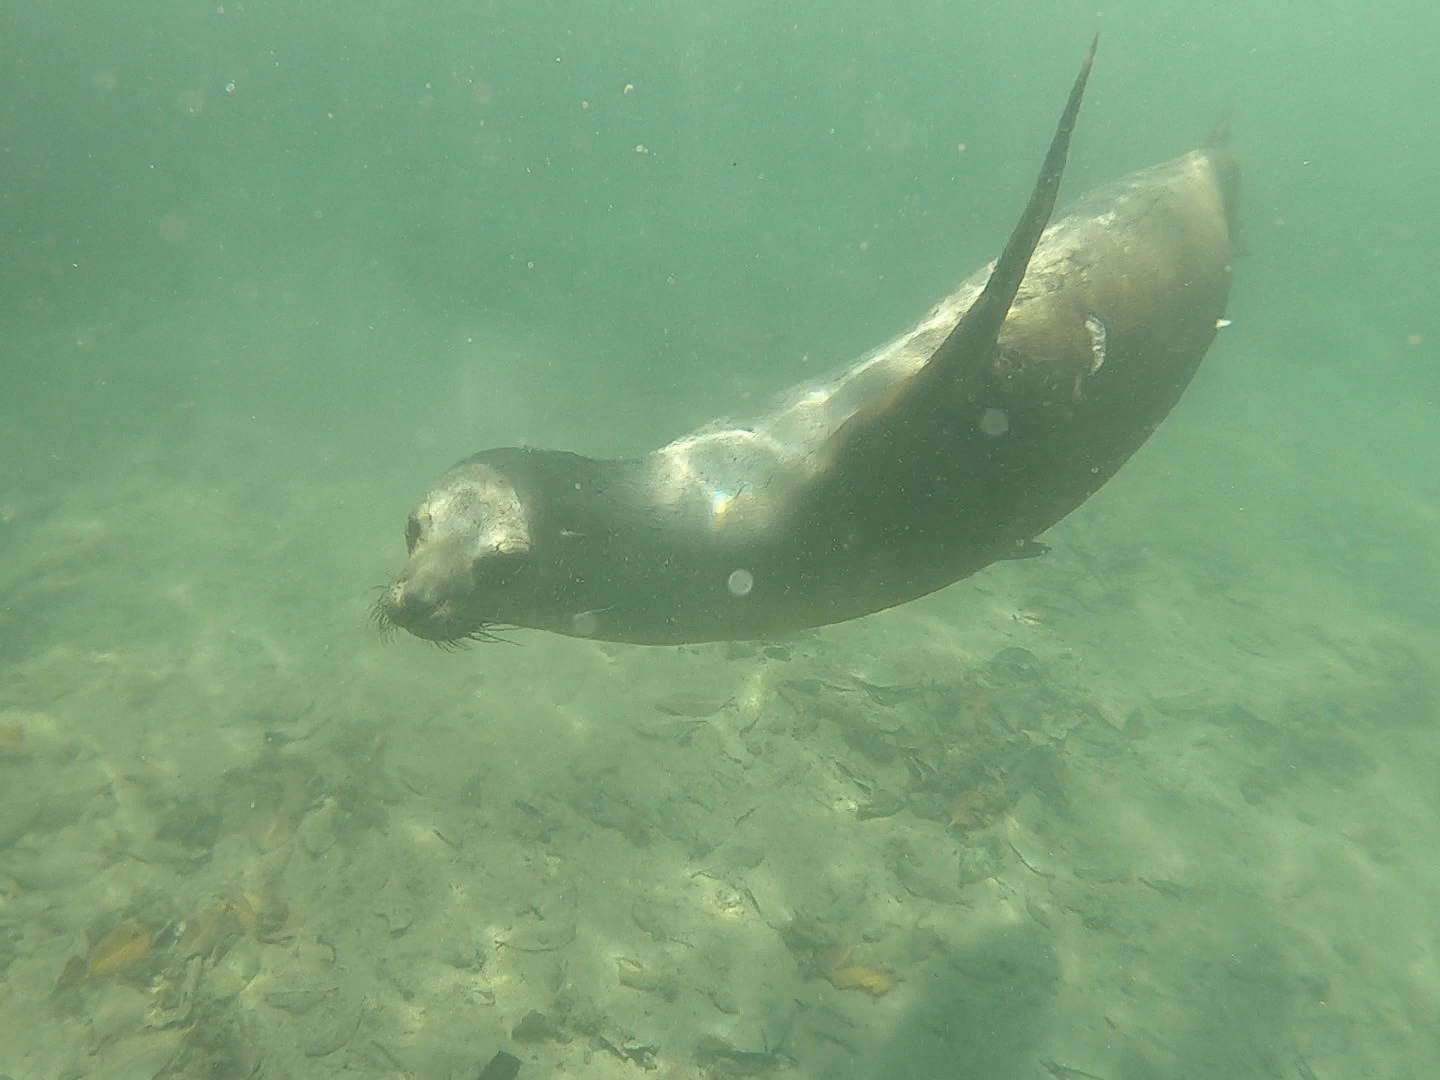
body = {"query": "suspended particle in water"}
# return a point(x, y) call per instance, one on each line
point(190, 102)
point(740, 582)
point(994, 422)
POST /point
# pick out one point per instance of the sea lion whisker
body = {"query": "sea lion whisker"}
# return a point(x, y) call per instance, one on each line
point(457, 644)
point(381, 623)
point(490, 633)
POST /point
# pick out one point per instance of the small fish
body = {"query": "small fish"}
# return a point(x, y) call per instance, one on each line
point(121, 947)
point(848, 682)
point(683, 704)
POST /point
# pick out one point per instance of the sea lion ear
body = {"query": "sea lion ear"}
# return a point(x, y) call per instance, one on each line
point(513, 545)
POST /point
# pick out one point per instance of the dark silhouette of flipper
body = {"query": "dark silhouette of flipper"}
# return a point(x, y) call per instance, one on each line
point(973, 339)
point(967, 351)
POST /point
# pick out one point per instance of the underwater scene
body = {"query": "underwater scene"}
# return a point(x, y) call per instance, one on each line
point(1035, 679)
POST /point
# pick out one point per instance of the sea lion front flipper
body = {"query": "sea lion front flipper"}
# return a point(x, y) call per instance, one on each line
point(973, 339)
point(970, 346)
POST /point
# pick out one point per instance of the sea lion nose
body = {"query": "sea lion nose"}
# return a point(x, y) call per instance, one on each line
point(406, 605)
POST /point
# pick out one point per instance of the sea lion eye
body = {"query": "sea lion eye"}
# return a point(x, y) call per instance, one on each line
point(412, 532)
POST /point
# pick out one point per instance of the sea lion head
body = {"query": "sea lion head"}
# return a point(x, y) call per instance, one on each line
point(469, 538)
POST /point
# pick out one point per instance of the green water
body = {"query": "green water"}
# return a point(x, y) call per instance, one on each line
point(268, 269)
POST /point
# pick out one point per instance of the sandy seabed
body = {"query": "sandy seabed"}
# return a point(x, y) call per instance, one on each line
point(1161, 804)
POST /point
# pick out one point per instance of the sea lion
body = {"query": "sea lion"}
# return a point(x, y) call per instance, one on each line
point(949, 448)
